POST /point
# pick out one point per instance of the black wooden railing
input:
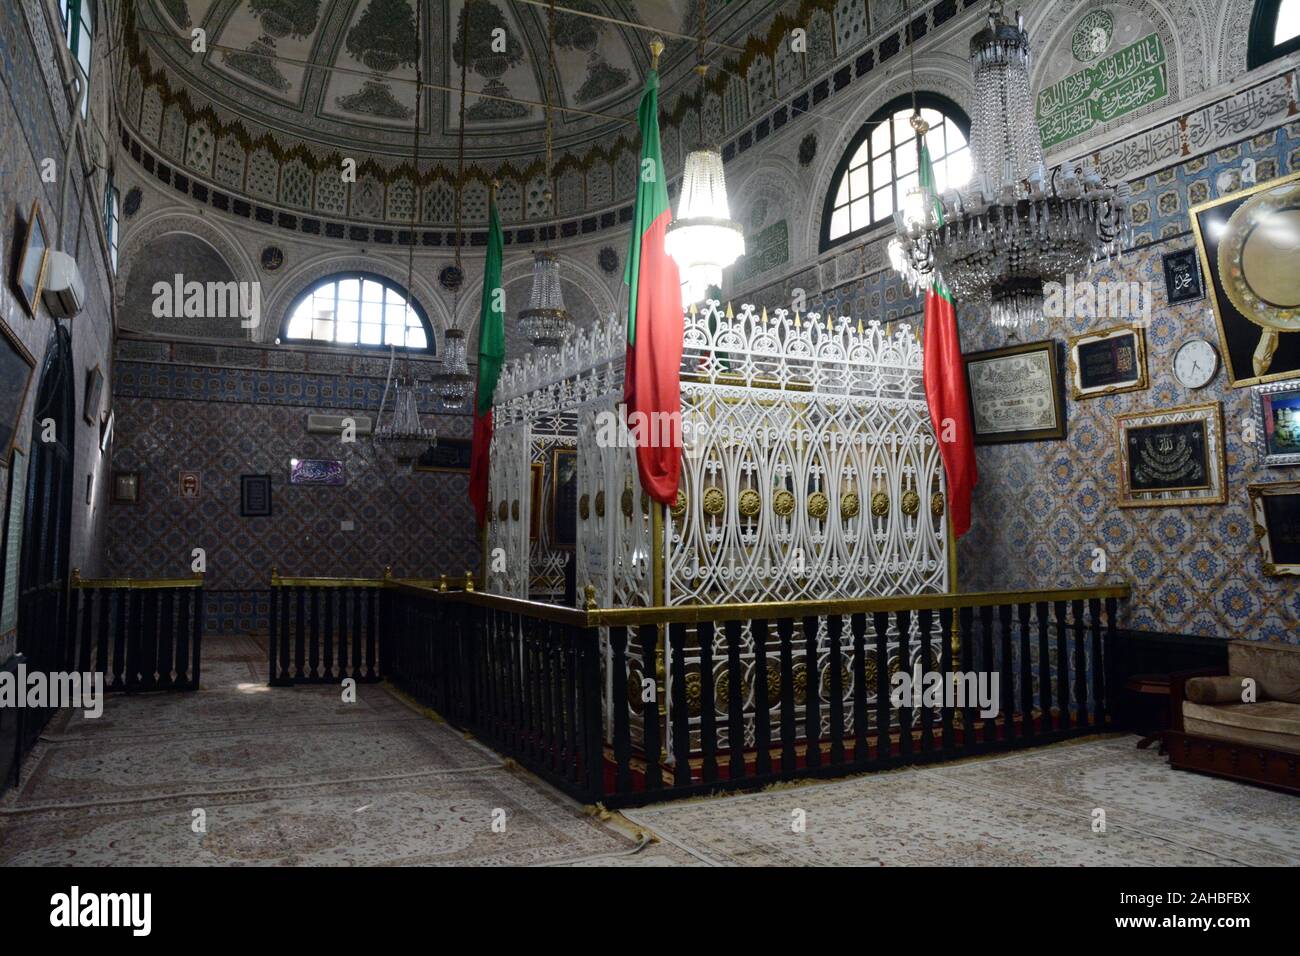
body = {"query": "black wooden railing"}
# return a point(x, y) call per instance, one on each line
point(326, 629)
point(527, 678)
point(143, 634)
point(524, 677)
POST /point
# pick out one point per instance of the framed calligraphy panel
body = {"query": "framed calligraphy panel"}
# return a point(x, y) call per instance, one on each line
point(1172, 457)
point(1015, 394)
point(1108, 361)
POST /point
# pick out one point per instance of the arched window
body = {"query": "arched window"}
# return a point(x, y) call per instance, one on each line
point(1274, 31)
point(880, 165)
point(358, 308)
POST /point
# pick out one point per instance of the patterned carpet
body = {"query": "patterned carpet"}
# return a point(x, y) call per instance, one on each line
point(297, 776)
point(285, 776)
point(1033, 808)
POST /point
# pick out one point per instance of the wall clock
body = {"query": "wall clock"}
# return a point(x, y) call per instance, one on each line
point(1196, 363)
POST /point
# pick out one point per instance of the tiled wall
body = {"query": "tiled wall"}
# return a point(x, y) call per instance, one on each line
point(1040, 508)
point(226, 422)
point(33, 111)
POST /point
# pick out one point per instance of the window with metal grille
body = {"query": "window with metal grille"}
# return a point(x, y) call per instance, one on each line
point(358, 309)
point(881, 165)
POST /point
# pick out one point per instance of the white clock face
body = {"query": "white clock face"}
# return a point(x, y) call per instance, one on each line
point(1196, 363)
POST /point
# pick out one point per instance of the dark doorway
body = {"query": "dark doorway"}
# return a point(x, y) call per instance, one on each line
point(47, 531)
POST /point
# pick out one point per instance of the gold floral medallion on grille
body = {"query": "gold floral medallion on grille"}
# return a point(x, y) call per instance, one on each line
point(850, 505)
point(783, 503)
point(911, 503)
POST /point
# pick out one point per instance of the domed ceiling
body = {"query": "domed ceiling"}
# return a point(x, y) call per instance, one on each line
point(339, 73)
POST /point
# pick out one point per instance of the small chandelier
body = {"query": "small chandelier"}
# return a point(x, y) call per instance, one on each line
point(1017, 227)
point(403, 436)
point(451, 381)
point(545, 323)
point(703, 238)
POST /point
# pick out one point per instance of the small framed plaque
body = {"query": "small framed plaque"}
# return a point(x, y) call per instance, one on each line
point(316, 471)
point(126, 487)
point(447, 456)
point(254, 496)
point(1275, 509)
point(1172, 457)
point(1183, 279)
point(1277, 423)
point(1103, 363)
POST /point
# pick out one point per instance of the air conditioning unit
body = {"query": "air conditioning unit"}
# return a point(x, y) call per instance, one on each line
point(333, 424)
point(64, 292)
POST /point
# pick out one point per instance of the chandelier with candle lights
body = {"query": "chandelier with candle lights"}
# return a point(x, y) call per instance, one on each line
point(1015, 226)
point(451, 381)
point(546, 321)
point(402, 435)
point(703, 239)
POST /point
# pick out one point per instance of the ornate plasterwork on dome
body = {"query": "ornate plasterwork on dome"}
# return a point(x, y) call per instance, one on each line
point(279, 137)
point(339, 73)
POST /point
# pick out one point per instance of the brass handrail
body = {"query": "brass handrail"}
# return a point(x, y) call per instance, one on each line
point(696, 613)
point(555, 613)
point(135, 584)
point(387, 580)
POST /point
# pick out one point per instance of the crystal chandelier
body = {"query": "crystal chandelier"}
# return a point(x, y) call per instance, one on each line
point(451, 381)
point(703, 238)
point(1016, 227)
point(402, 435)
point(546, 321)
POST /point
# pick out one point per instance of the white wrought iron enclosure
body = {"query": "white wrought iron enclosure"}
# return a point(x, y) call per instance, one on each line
point(810, 471)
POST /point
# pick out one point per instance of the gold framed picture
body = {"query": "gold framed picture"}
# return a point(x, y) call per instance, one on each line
point(31, 267)
point(1107, 362)
point(17, 367)
point(1247, 242)
point(1172, 457)
point(1275, 509)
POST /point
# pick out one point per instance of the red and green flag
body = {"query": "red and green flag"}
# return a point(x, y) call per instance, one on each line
point(945, 386)
point(491, 355)
point(652, 383)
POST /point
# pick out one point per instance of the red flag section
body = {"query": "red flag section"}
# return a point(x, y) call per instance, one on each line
point(946, 393)
point(949, 401)
point(652, 383)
